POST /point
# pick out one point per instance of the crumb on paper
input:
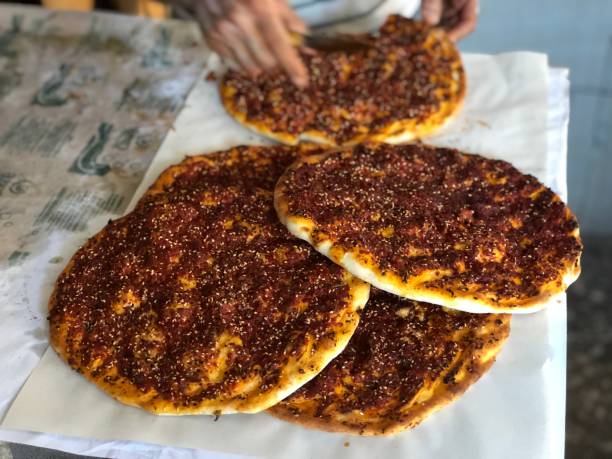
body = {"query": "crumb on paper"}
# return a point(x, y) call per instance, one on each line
point(346, 444)
point(211, 76)
point(483, 124)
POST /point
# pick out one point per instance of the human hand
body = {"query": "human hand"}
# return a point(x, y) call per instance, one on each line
point(458, 17)
point(253, 34)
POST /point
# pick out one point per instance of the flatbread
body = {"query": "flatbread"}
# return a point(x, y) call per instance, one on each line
point(435, 225)
point(408, 85)
point(405, 361)
point(200, 301)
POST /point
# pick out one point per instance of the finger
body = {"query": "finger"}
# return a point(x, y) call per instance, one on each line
point(235, 40)
point(467, 21)
point(218, 8)
point(291, 20)
point(279, 42)
point(228, 57)
point(256, 43)
point(212, 37)
point(216, 43)
point(219, 47)
point(309, 51)
point(204, 17)
point(232, 64)
point(453, 7)
point(207, 23)
point(431, 10)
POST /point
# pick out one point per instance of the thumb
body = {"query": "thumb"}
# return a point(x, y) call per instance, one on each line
point(431, 10)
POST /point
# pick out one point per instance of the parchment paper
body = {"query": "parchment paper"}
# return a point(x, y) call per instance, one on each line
point(516, 410)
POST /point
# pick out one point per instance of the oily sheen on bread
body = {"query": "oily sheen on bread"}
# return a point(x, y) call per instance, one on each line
point(435, 225)
point(407, 85)
point(200, 301)
point(405, 361)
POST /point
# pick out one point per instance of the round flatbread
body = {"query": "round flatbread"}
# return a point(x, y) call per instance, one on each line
point(407, 85)
point(200, 301)
point(405, 361)
point(435, 225)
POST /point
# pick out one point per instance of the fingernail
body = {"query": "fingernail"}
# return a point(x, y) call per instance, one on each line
point(298, 28)
point(300, 82)
point(431, 15)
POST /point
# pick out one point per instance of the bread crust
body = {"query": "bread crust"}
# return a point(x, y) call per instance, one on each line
point(475, 357)
point(394, 130)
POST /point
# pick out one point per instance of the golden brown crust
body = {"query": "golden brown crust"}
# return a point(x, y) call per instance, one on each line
point(403, 102)
point(332, 401)
point(186, 307)
point(508, 243)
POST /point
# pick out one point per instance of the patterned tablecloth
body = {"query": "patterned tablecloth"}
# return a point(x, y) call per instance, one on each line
point(85, 102)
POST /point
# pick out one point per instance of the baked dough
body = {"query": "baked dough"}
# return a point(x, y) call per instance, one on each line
point(405, 361)
point(408, 85)
point(434, 225)
point(200, 301)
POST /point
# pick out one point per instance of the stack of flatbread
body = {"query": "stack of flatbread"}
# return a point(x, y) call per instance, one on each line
point(355, 286)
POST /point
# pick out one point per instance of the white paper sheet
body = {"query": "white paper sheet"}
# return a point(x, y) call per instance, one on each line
point(516, 410)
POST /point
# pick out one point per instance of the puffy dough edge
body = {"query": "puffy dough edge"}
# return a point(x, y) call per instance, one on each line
point(473, 364)
point(398, 131)
point(304, 228)
point(124, 391)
